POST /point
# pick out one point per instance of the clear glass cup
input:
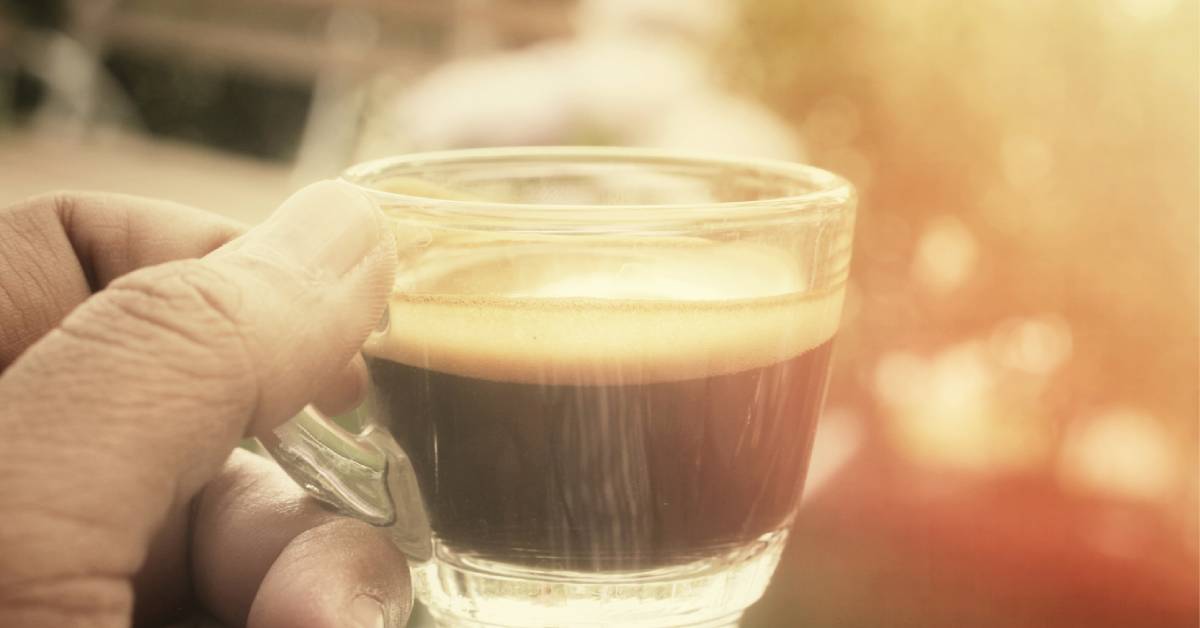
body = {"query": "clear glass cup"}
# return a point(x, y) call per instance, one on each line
point(593, 397)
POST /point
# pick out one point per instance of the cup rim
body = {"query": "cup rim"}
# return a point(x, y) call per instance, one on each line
point(828, 189)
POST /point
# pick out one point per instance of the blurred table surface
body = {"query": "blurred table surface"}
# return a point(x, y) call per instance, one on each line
point(238, 187)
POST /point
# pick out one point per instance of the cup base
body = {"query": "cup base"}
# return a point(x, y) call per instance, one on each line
point(463, 592)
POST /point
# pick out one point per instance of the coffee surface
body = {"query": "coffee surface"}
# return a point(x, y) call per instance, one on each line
point(616, 316)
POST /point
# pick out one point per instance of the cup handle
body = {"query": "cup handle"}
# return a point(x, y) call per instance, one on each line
point(364, 475)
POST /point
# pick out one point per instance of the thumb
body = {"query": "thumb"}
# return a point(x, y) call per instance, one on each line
point(136, 399)
point(300, 293)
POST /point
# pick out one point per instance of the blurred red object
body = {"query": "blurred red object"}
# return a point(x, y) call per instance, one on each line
point(888, 546)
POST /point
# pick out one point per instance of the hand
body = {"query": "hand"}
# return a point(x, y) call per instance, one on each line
point(139, 341)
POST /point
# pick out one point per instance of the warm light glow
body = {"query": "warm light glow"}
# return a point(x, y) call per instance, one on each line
point(1037, 346)
point(946, 255)
point(1120, 452)
point(949, 411)
point(839, 437)
point(1027, 160)
point(1147, 9)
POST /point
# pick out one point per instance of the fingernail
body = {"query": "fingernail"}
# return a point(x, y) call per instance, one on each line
point(366, 612)
point(326, 228)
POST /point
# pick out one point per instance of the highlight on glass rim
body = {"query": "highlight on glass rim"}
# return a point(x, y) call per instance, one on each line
point(645, 313)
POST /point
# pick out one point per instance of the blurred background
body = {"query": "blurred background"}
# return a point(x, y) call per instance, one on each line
point(1011, 436)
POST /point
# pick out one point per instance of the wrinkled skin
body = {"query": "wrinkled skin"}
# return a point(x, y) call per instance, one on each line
point(139, 342)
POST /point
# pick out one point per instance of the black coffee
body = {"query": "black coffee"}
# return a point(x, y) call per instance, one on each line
point(599, 474)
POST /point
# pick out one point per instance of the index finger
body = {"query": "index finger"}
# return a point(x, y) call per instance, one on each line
point(56, 249)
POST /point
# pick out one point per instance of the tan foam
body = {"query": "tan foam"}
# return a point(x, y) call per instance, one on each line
point(702, 312)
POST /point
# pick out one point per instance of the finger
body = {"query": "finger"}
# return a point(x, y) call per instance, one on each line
point(259, 542)
point(162, 593)
point(65, 245)
point(346, 390)
point(341, 574)
point(56, 249)
point(115, 418)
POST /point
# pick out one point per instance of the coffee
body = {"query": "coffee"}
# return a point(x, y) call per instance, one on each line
point(590, 419)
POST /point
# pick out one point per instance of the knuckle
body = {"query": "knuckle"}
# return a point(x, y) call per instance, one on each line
point(57, 207)
point(171, 336)
point(181, 315)
point(185, 299)
point(64, 204)
point(52, 200)
point(61, 201)
point(37, 284)
point(31, 224)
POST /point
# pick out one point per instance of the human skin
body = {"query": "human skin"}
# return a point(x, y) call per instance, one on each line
point(139, 342)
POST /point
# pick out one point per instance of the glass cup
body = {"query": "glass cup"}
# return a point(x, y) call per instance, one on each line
point(593, 395)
